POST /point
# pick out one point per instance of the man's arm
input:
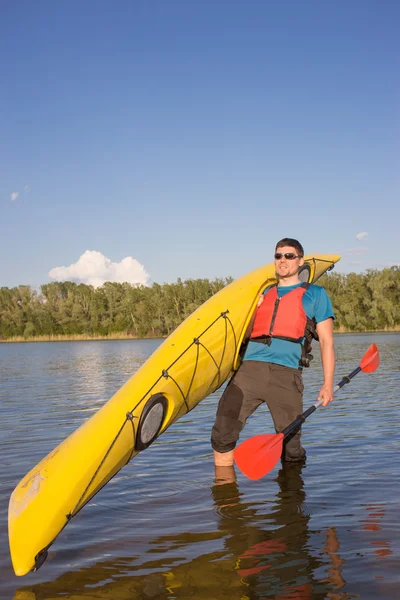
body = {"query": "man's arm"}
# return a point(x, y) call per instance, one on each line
point(325, 334)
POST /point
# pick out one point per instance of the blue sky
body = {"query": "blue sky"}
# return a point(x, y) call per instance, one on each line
point(191, 135)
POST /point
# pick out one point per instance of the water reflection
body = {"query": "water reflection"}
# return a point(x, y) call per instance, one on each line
point(273, 549)
point(265, 552)
point(165, 529)
point(335, 570)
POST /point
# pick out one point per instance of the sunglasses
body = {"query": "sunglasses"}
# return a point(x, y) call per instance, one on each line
point(287, 255)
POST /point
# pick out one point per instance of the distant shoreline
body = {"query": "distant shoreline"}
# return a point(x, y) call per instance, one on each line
point(84, 337)
point(124, 336)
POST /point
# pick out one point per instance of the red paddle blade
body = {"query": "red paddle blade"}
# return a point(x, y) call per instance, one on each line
point(258, 455)
point(370, 361)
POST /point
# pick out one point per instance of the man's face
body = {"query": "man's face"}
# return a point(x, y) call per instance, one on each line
point(287, 267)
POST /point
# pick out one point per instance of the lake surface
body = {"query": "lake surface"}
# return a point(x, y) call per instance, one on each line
point(166, 528)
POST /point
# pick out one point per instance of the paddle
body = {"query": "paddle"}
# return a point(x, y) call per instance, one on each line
point(258, 455)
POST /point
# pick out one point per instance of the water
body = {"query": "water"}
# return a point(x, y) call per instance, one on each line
point(165, 528)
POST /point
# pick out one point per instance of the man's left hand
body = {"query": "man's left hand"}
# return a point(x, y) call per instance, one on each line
point(326, 394)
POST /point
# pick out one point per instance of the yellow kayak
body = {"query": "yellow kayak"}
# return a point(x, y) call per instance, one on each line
point(194, 361)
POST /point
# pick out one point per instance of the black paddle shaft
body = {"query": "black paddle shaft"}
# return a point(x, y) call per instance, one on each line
point(297, 423)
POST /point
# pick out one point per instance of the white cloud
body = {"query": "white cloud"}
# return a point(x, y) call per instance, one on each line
point(93, 268)
point(14, 196)
point(27, 188)
point(362, 235)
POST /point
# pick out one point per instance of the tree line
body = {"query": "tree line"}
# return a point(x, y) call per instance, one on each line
point(362, 302)
point(67, 308)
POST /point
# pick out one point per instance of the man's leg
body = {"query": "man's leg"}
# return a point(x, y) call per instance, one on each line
point(223, 459)
point(237, 403)
point(285, 402)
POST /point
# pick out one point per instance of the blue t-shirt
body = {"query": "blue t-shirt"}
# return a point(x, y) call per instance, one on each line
point(316, 304)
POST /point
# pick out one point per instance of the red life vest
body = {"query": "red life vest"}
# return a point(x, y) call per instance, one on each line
point(283, 318)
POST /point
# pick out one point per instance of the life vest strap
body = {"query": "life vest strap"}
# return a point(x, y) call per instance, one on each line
point(266, 339)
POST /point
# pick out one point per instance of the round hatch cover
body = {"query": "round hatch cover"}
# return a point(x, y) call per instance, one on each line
point(151, 421)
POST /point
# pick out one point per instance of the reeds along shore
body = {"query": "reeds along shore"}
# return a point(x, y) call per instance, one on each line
point(127, 336)
point(79, 337)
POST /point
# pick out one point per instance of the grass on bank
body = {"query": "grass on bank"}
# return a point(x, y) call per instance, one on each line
point(123, 335)
point(76, 337)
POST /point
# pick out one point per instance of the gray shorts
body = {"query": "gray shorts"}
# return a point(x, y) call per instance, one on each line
point(281, 388)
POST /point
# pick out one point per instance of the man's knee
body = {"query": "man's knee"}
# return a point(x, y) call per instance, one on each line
point(225, 434)
point(227, 427)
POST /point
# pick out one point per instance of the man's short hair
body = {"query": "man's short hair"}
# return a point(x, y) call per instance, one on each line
point(292, 243)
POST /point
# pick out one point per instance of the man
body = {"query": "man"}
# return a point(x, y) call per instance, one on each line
point(271, 370)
